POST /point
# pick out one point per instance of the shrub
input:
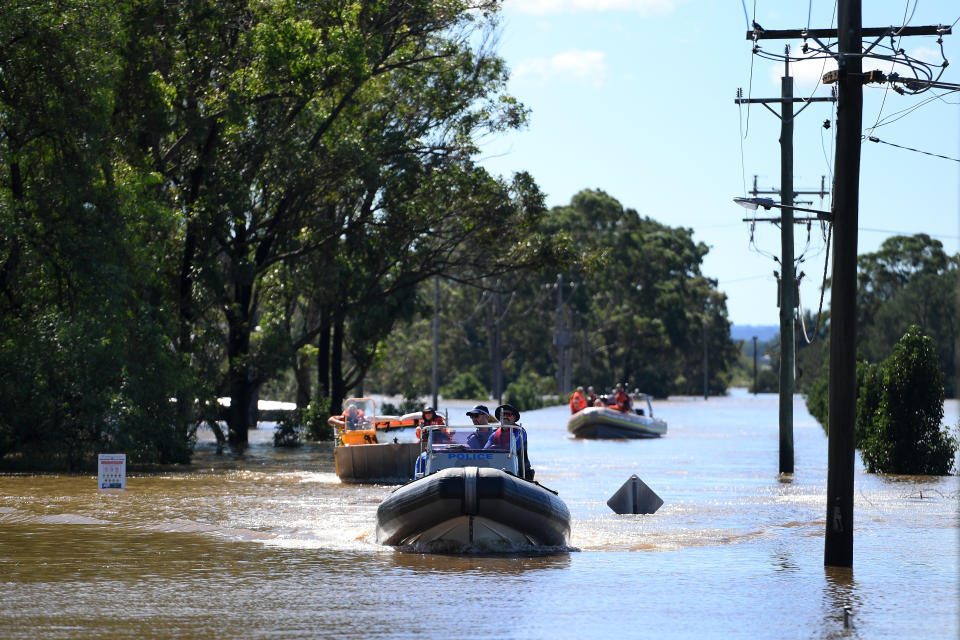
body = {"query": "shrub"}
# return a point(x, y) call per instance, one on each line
point(818, 400)
point(526, 392)
point(905, 435)
point(407, 405)
point(314, 421)
point(869, 391)
point(464, 385)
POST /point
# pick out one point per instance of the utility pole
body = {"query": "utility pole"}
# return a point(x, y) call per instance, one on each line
point(838, 541)
point(842, 411)
point(706, 362)
point(436, 334)
point(754, 365)
point(562, 340)
point(787, 293)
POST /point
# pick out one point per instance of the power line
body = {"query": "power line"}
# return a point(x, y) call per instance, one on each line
point(907, 233)
point(927, 153)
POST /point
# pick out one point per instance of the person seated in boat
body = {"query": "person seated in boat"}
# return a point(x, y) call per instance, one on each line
point(480, 416)
point(430, 417)
point(508, 415)
point(621, 400)
point(578, 401)
point(353, 418)
point(592, 399)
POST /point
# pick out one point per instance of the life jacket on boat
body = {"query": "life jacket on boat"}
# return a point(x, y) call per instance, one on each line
point(577, 402)
point(622, 402)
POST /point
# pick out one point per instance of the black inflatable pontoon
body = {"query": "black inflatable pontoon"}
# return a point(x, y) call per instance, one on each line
point(463, 508)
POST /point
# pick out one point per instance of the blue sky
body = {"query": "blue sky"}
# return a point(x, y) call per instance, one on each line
point(636, 97)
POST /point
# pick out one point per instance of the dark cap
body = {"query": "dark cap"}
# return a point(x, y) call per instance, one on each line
point(429, 410)
point(507, 407)
point(480, 408)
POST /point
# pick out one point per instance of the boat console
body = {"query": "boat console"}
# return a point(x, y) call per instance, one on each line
point(445, 447)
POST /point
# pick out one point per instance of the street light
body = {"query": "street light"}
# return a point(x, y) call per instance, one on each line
point(766, 203)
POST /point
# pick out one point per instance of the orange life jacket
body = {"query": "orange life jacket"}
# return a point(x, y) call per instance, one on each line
point(577, 402)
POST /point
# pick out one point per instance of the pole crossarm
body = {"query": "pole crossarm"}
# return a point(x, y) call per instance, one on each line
point(802, 34)
point(782, 100)
point(825, 216)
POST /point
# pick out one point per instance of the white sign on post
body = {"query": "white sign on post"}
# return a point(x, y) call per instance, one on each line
point(112, 471)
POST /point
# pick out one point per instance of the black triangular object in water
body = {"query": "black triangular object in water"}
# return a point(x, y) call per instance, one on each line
point(634, 497)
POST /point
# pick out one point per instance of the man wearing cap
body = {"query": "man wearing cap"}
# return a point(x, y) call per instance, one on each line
point(508, 415)
point(481, 417)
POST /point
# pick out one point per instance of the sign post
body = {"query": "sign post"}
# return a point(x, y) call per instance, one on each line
point(112, 471)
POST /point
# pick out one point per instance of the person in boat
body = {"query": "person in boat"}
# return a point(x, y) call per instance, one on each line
point(508, 415)
point(480, 416)
point(621, 400)
point(592, 399)
point(578, 400)
point(430, 417)
point(353, 417)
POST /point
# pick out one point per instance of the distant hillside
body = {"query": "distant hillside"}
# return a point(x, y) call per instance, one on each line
point(747, 331)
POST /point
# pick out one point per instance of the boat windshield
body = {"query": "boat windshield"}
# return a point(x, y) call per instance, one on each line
point(358, 413)
point(470, 438)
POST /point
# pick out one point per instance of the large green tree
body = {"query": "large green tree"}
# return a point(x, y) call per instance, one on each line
point(85, 363)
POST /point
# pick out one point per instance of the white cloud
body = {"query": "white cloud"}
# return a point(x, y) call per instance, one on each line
point(576, 64)
point(592, 6)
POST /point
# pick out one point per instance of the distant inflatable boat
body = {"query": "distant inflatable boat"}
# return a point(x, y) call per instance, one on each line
point(603, 422)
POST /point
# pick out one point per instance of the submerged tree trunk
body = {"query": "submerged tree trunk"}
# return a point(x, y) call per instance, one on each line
point(323, 358)
point(337, 389)
point(243, 378)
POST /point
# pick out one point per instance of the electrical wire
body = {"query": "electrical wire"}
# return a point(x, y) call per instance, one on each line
point(935, 155)
point(823, 289)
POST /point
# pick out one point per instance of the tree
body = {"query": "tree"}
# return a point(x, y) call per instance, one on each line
point(905, 435)
point(84, 340)
point(909, 281)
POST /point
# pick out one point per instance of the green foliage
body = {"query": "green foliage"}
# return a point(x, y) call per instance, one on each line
point(818, 400)
point(314, 421)
point(869, 395)
point(768, 381)
point(464, 385)
point(527, 392)
point(909, 281)
point(905, 435)
point(407, 405)
point(287, 434)
point(634, 302)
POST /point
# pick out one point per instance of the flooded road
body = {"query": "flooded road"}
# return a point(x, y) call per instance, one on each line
point(273, 545)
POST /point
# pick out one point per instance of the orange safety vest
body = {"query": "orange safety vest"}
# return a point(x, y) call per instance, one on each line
point(623, 402)
point(577, 402)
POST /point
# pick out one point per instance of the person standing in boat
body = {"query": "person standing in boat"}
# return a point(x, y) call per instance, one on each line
point(480, 416)
point(578, 401)
point(621, 400)
point(508, 415)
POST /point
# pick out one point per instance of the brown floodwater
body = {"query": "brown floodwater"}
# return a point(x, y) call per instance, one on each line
point(271, 544)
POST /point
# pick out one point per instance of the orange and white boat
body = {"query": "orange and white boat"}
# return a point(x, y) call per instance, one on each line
point(371, 448)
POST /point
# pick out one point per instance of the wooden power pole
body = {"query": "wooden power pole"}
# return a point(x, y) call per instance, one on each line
point(838, 541)
point(788, 297)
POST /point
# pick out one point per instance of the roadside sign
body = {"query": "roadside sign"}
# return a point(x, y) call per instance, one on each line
point(112, 472)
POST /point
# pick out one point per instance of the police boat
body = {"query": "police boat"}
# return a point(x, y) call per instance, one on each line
point(607, 422)
point(467, 498)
